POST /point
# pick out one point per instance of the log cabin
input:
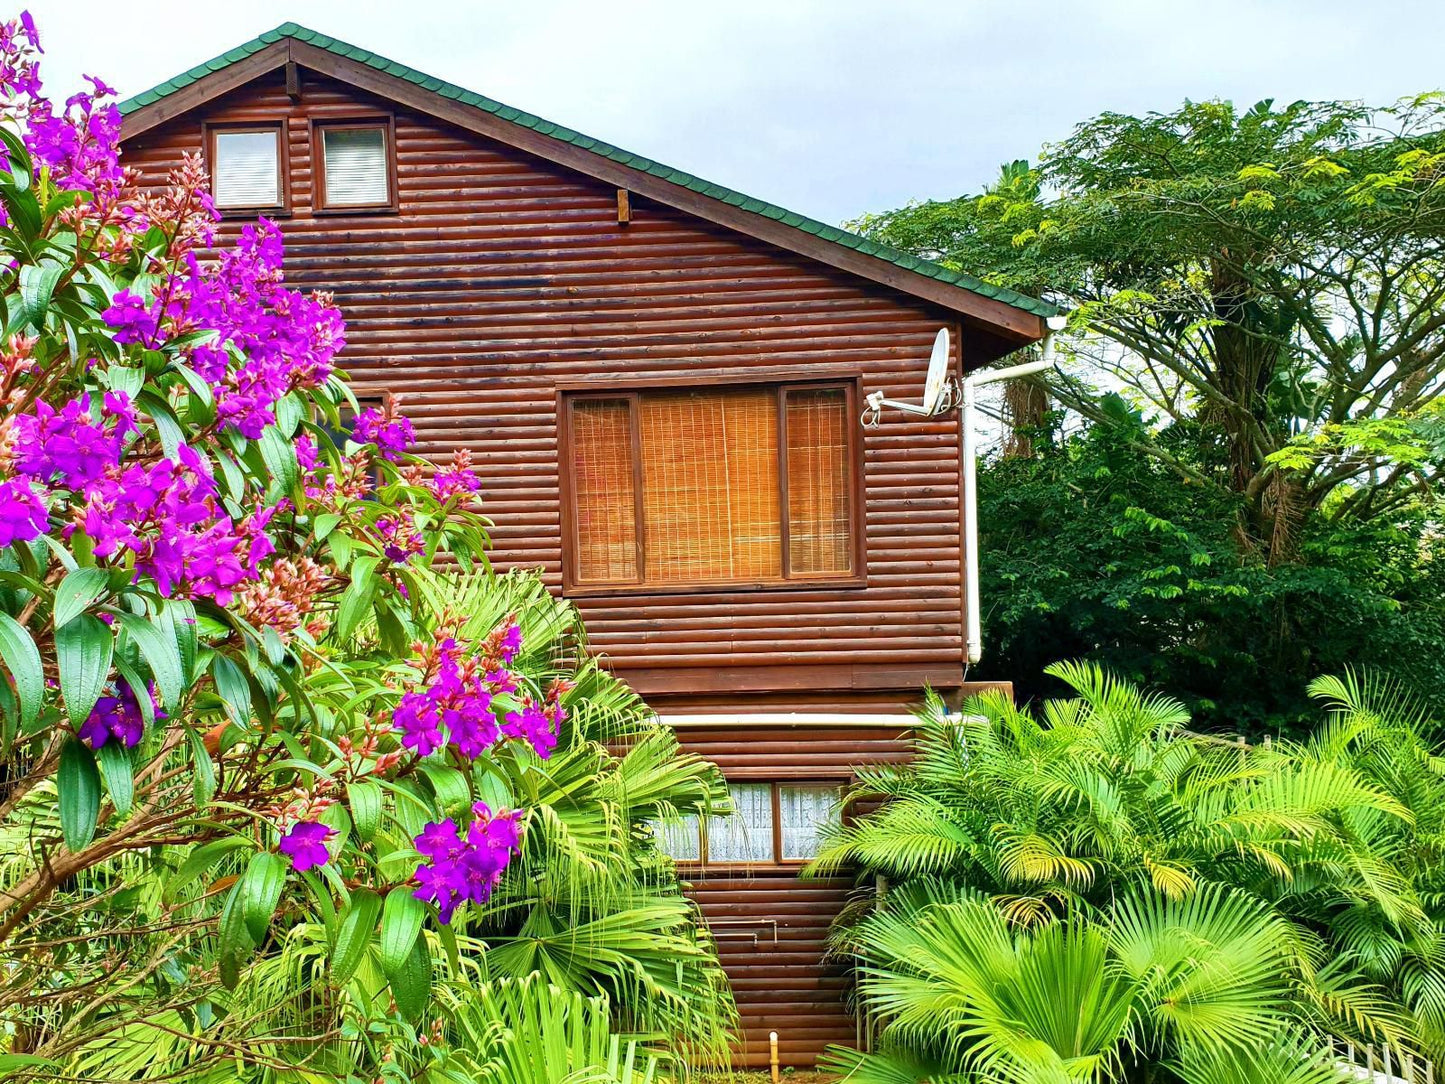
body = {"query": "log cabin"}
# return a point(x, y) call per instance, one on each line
point(660, 381)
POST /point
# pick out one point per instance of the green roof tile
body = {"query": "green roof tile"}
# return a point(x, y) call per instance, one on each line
point(562, 134)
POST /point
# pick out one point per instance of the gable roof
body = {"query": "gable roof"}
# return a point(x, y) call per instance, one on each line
point(1013, 318)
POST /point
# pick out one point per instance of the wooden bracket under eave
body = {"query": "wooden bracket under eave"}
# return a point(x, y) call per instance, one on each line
point(624, 207)
point(293, 81)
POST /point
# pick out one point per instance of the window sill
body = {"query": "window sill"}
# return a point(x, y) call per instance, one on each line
point(633, 590)
point(379, 209)
point(694, 866)
point(253, 212)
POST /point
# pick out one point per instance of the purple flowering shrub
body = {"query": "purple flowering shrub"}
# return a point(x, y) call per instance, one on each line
point(218, 651)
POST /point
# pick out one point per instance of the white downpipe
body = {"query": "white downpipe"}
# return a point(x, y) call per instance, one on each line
point(974, 639)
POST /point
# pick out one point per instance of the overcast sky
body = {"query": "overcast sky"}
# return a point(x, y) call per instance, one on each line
point(829, 107)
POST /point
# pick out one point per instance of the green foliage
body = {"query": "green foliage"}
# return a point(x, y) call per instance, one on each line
point(340, 981)
point(1100, 863)
point(1091, 550)
point(1272, 277)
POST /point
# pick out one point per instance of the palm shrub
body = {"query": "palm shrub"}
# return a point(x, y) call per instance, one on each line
point(1105, 801)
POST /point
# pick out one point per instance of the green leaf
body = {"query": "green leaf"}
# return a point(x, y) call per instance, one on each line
point(83, 649)
point(279, 455)
point(204, 784)
point(22, 659)
point(77, 591)
point(411, 982)
point(161, 655)
point(261, 887)
point(199, 861)
point(118, 770)
point(356, 599)
point(235, 943)
point(233, 689)
point(78, 783)
point(365, 798)
point(37, 284)
point(354, 936)
point(400, 927)
point(454, 793)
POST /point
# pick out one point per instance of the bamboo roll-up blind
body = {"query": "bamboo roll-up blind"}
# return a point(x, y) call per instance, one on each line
point(704, 485)
point(605, 497)
point(819, 517)
point(710, 495)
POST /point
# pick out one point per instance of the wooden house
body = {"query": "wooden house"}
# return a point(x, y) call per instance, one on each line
point(660, 381)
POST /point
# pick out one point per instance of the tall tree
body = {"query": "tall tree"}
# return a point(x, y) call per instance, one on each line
point(1272, 281)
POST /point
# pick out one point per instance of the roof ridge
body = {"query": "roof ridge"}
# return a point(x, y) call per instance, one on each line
point(833, 234)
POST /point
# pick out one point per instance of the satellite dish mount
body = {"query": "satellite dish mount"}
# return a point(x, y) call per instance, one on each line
point(940, 394)
point(940, 391)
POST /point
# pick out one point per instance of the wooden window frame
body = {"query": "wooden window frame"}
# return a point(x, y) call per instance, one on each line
point(319, 126)
point(283, 166)
point(632, 391)
point(777, 862)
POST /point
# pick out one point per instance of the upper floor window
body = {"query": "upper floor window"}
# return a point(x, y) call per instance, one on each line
point(355, 166)
point(248, 171)
point(687, 486)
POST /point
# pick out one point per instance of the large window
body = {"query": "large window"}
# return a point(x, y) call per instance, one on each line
point(354, 163)
point(771, 824)
point(680, 486)
point(247, 168)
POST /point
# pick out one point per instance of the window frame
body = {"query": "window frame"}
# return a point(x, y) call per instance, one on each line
point(277, 128)
point(702, 862)
point(319, 126)
point(781, 384)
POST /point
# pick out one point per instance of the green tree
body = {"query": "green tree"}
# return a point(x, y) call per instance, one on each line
point(1092, 551)
point(1270, 279)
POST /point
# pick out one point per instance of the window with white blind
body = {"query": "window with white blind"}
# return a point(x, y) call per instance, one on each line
point(247, 172)
point(771, 824)
point(355, 166)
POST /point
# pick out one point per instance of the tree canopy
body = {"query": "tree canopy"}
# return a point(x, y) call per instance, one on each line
point(1269, 279)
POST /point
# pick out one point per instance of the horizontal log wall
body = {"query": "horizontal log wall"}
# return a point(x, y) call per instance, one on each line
point(503, 276)
point(772, 928)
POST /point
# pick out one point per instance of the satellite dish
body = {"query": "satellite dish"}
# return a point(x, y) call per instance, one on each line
point(937, 382)
point(937, 388)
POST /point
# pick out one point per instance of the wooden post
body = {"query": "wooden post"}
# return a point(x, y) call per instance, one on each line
point(1370, 1061)
point(624, 207)
point(773, 1054)
point(1389, 1072)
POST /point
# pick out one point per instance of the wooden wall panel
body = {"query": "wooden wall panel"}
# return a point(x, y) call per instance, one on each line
point(503, 275)
point(771, 927)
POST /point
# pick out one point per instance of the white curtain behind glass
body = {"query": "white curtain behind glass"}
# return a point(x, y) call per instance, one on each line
point(746, 836)
point(806, 809)
point(246, 169)
point(356, 171)
point(680, 839)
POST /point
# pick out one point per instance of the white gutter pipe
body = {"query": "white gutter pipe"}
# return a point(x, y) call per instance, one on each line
point(974, 641)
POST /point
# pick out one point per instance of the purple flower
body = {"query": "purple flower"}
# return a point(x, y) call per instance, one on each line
point(118, 716)
point(535, 725)
point(133, 319)
point(511, 642)
point(392, 435)
point(305, 845)
point(417, 717)
point(23, 517)
point(76, 445)
point(457, 869)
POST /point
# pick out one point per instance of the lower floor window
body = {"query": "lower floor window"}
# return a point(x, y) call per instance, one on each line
point(771, 823)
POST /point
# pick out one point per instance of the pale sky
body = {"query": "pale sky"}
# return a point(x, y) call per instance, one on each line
point(829, 107)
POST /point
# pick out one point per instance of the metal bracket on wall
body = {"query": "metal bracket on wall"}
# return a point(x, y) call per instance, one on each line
point(743, 927)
